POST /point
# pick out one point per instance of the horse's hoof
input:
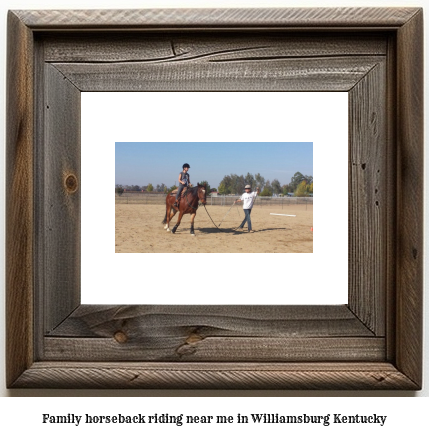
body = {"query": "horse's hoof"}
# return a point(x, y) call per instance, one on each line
point(192, 234)
point(168, 230)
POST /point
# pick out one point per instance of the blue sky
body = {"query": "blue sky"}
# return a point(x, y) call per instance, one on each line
point(140, 163)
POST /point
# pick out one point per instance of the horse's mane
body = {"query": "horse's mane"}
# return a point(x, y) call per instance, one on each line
point(194, 189)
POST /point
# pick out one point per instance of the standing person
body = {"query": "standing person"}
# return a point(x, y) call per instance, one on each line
point(248, 199)
point(184, 180)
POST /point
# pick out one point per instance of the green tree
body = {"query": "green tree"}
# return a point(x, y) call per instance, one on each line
point(250, 180)
point(301, 190)
point(119, 190)
point(260, 181)
point(268, 187)
point(266, 192)
point(165, 189)
point(160, 187)
point(222, 188)
point(237, 184)
point(234, 186)
point(275, 185)
point(227, 185)
point(298, 178)
point(241, 183)
point(285, 189)
point(149, 187)
point(295, 181)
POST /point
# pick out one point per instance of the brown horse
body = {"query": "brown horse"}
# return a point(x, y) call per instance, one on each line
point(188, 204)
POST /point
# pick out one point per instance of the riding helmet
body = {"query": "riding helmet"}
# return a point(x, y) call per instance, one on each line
point(186, 165)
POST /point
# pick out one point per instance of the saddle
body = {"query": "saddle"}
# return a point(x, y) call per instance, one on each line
point(181, 194)
point(183, 191)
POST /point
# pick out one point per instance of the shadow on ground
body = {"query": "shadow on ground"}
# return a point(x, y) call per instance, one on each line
point(210, 230)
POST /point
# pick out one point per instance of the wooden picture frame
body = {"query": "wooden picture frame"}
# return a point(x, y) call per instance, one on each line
point(373, 342)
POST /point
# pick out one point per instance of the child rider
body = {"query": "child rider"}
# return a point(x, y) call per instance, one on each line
point(184, 180)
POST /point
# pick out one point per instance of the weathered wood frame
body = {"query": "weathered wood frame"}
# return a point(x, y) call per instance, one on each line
point(374, 342)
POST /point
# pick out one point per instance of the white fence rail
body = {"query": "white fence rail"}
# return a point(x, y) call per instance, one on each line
point(227, 200)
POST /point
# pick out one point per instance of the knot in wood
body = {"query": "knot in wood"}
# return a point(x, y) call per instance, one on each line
point(71, 183)
point(120, 337)
point(193, 337)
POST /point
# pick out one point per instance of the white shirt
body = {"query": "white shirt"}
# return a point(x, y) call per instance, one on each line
point(248, 199)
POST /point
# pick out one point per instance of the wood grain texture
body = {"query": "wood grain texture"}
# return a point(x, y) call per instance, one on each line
point(230, 18)
point(174, 46)
point(303, 375)
point(391, 192)
point(333, 74)
point(193, 348)
point(368, 202)
point(39, 199)
point(19, 200)
point(99, 321)
point(61, 168)
point(409, 264)
point(213, 333)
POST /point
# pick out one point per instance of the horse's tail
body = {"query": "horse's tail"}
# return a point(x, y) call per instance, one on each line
point(167, 208)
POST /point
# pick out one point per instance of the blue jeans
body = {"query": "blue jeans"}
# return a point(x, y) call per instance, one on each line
point(179, 190)
point(246, 218)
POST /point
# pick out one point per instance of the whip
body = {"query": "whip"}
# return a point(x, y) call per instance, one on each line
point(226, 213)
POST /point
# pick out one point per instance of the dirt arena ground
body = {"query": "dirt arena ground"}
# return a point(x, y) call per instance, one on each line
point(139, 230)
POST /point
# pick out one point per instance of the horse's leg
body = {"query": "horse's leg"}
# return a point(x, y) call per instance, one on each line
point(167, 216)
point(178, 222)
point(173, 212)
point(167, 208)
point(170, 215)
point(192, 223)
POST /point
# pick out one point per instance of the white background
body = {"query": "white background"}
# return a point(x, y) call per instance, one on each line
point(408, 418)
point(281, 278)
point(407, 414)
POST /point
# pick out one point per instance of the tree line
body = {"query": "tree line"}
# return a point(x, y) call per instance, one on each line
point(300, 185)
point(149, 188)
point(120, 189)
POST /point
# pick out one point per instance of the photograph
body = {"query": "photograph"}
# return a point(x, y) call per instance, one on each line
point(230, 141)
point(248, 197)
